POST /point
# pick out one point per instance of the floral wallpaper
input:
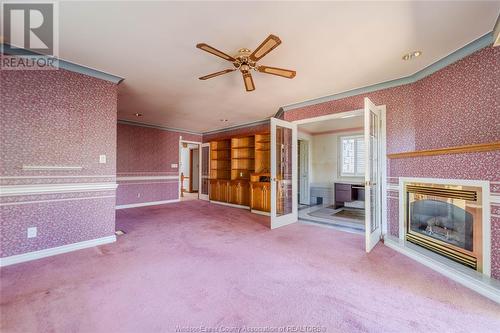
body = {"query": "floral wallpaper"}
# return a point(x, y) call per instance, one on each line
point(64, 119)
point(142, 153)
point(457, 105)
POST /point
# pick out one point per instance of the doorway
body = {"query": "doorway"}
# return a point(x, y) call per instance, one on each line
point(346, 172)
point(189, 170)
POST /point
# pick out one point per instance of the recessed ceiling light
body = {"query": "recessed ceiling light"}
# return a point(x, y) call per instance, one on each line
point(138, 114)
point(412, 55)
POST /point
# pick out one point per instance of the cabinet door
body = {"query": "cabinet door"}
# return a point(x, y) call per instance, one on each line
point(256, 196)
point(233, 193)
point(213, 190)
point(244, 194)
point(266, 200)
point(224, 190)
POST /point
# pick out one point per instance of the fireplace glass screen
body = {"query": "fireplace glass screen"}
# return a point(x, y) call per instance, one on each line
point(446, 220)
point(442, 220)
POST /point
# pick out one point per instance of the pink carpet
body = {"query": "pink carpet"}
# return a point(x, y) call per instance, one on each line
point(195, 265)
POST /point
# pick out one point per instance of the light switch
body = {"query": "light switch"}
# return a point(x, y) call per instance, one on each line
point(32, 232)
point(174, 165)
point(102, 159)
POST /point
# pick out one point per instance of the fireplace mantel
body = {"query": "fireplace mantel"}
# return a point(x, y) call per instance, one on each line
point(482, 147)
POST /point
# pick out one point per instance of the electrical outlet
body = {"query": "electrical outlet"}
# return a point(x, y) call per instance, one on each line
point(32, 232)
point(102, 159)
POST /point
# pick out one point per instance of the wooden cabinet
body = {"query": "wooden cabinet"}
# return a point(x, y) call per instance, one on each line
point(260, 196)
point(239, 192)
point(219, 190)
point(233, 166)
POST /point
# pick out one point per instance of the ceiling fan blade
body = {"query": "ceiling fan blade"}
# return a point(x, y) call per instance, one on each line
point(214, 51)
point(267, 46)
point(289, 74)
point(209, 76)
point(247, 78)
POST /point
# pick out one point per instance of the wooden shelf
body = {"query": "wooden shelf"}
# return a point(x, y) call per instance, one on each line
point(235, 162)
point(449, 150)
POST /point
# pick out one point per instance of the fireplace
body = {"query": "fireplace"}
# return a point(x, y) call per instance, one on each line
point(446, 219)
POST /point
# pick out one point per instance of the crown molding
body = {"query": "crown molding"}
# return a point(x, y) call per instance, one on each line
point(163, 128)
point(63, 64)
point(461, 53)
point(234, 127)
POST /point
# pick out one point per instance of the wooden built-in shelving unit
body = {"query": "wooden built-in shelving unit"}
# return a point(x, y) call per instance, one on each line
point(220, 159)
point(239, 171)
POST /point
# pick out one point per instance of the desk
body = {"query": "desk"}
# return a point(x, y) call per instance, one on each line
point(345, 192)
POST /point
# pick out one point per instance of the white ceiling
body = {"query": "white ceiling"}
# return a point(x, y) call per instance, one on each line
point(333, 46)
point(332, 125)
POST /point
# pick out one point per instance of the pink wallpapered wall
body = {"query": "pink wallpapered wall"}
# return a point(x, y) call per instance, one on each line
point(56, 118)
point(147, 155)
point(457, 105)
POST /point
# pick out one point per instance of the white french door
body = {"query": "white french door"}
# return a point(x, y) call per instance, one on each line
point(373, 209)
point(283, 173)
point(304, 172)
point(204, 171)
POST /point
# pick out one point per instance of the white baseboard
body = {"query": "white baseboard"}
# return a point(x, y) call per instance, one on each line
point(476, 281)
point(143, 204)
point(260, 212)
point(18, 258)
point(229, 204)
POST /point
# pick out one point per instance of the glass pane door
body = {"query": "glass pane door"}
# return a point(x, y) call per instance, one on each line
point(283, 173)
point(373, 229)
point(205, 170)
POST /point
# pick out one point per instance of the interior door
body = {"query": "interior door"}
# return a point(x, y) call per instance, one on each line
point(204, 170)
point(284, 201)
point(304, 172)
point(373, 228)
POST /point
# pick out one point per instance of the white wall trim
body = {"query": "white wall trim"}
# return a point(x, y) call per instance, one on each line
point(229, 204)
point(15, 259)
point(485, 286)
point(14, 190)
point(57, 177)
point(52, 167)
point(143, 204)
point(181, 141)
point(494, 199)
point(126, 178)
point(260, 212)
point(15, 203)
point(338, 115)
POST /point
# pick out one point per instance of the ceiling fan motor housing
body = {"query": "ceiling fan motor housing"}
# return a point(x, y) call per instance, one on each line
point(243, 61)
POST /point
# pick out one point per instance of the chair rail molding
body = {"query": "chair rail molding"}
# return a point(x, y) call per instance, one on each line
point(15, 190)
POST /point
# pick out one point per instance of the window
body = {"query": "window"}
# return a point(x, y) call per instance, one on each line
point(352, 156)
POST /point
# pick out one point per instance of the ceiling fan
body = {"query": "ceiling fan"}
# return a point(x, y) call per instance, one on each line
point(246, 60)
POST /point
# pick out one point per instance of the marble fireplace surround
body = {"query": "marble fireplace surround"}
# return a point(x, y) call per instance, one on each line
point(480, 282)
